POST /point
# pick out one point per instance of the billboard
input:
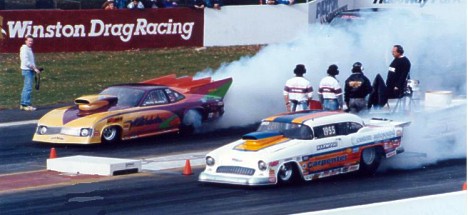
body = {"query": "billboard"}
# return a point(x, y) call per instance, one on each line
point(101, 30)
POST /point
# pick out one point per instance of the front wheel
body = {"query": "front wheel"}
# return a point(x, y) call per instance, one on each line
point(111, 134)
point(370, 161)
point(287, 174)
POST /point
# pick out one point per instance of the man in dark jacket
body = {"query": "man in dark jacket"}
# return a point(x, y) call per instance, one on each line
point(398, 73)
point(357, 87)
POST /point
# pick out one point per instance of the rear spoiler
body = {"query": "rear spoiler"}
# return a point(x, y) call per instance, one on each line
point(384, 121)
point(186, 84)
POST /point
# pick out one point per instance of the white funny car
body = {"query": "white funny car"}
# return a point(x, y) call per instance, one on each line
point(304, 145)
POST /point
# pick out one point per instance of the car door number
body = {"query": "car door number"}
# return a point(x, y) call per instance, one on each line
point(329, 131)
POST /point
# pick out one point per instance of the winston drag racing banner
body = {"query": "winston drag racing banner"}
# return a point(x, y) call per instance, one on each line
point(101, 30)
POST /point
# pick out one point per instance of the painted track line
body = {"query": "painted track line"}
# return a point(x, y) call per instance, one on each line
point(27, 122)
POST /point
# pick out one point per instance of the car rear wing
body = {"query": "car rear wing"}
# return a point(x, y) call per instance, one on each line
point(186, 84)
point(387, 122)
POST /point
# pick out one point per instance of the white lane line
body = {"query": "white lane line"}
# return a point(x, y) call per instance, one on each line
point(173, 161)
point(8, 124)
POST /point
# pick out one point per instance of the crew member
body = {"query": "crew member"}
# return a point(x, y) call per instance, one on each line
point(330, 93)
point(398, 73)
point(297, 91)
point(357, 87)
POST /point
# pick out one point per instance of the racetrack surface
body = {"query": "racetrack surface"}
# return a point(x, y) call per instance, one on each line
point(169, 192)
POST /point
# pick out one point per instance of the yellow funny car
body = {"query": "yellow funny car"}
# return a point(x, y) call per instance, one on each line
point(157, 106)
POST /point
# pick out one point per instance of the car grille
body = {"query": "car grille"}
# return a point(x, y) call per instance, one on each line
point(235, 170)
point(53, 130)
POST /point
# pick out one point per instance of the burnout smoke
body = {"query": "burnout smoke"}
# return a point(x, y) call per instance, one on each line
point(433, 37)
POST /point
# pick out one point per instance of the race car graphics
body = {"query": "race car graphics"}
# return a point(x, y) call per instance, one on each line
point(133, 110)
point(279, 152)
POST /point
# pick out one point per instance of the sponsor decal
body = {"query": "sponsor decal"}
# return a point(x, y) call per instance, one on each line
point(421, 3)
point(328, 161)
point(327, 10)
point(374, 138)
point(144, 121)
point(56, 138)
point(326, 7)
point(99, 28)
point(327, 146)
point(384, 135)
point(114, 120)
point(363, 139)
point(390, 154)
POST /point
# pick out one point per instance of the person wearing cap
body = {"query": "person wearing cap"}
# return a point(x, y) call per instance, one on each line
point(330, 92)
point(357, 87)
point(297, 91)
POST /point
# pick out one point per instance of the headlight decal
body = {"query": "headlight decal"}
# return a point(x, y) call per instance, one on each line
point(210, 161)
point(262, 165)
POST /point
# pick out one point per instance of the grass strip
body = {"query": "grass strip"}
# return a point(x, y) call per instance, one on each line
point(70, 75)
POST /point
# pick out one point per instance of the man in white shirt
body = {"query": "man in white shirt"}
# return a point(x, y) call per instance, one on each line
point(297, 91)
point(28, 70)
point(330, 92)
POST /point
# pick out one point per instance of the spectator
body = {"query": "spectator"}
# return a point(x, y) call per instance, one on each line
point(120, 4)
point(330, 93)
point(109, 5)
point(169, 4)
point(297, 91)
point(216, 4)
point(28, 70)
point(270, 2)
point(357, 87)
point(135, 4)
point(156, 4)
point(198, 4)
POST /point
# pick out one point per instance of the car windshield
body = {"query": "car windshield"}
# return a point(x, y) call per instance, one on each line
point(126, 96)
point(289, 130)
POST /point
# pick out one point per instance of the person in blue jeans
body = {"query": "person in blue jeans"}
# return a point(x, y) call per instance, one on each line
point(28, 70)
point(330, 92)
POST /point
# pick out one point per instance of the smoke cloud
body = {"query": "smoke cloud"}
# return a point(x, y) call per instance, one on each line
point(433, 37)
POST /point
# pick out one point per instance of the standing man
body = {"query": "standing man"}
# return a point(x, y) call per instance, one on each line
point(357, 87)
point(398, 73)
point(28, 70)
point(330, 93)
point(297, 91)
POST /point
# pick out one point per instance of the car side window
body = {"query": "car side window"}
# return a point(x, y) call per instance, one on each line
point(173, 95)
point(155, 97)
point(353, 127)
point(323, 131)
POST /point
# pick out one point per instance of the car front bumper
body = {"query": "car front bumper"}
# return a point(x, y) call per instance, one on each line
point(235, 180)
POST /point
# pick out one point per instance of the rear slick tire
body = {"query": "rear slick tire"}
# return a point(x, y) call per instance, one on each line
point(192, 122)
point(370, 161)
